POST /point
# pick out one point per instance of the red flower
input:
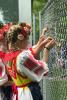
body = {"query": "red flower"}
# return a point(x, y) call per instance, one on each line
point(26, 29)
point(4, 29)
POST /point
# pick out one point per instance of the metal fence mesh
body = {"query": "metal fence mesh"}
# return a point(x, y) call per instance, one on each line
point(54, 15)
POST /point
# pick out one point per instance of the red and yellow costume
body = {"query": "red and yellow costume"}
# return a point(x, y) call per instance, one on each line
point(24, 69)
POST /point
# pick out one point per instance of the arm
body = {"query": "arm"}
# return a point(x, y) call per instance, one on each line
point(30, 67)
point(46, 50)
point(45, 55)
point(44, 44)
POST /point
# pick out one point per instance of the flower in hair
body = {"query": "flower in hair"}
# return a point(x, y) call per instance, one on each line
point(4, 29)
point(25, 29)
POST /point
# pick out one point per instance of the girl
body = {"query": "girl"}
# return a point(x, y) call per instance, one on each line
point(22, 64)
point(4, 88)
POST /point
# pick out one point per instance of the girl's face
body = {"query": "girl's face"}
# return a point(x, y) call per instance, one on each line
point(24, 41)
point(20, 37)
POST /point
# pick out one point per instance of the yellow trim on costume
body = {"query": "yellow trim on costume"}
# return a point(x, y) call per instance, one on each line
point(20, 81)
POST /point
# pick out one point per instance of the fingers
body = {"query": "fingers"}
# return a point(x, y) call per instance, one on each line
point(42, 37)
point(53, 41)
point(50, 44)
point(44, 30)
point(48, 39)
point(43, 43)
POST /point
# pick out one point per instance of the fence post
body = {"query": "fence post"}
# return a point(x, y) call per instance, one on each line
point(34, 29)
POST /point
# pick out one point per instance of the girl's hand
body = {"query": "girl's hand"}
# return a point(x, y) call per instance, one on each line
point(44, 42)
point(44, 30)
point(50, 44)
point(42, 36)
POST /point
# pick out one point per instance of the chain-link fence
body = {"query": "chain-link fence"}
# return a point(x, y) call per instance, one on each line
point(54, 16)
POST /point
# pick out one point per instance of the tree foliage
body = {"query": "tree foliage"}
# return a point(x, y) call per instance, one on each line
point(38, 5)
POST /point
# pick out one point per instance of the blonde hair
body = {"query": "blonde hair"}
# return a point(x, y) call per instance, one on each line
point(15, 29)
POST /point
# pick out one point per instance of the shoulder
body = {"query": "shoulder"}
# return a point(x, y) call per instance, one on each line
point(24, 56)
point(24, 53)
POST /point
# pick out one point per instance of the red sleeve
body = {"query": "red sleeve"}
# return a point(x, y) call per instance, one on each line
point(2, 54)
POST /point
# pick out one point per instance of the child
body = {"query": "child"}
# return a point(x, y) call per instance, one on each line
point(22, 64)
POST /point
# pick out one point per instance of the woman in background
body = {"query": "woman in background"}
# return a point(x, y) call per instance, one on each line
point(5, 89)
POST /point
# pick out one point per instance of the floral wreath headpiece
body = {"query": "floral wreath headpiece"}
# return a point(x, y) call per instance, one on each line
point(4, 29)
point(25, 29)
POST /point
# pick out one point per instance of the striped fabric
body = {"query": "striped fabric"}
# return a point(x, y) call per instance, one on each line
point(29, 66)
